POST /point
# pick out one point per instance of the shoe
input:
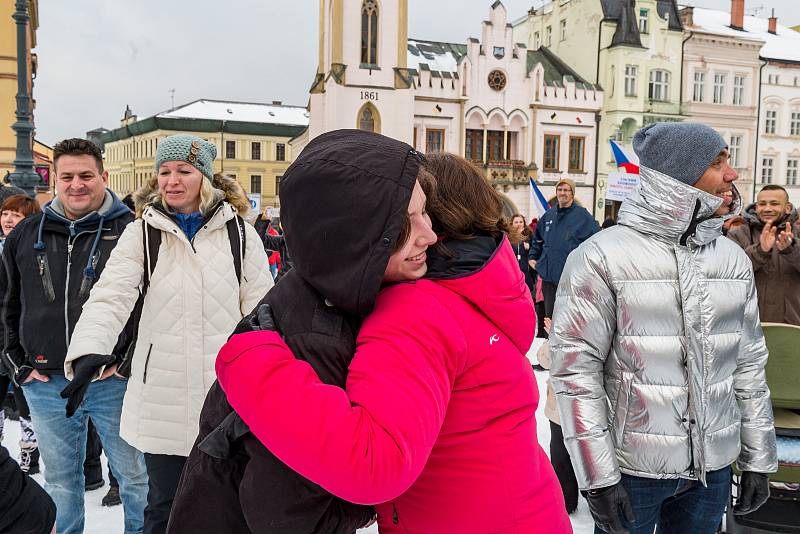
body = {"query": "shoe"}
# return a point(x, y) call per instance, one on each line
point(112, 497)
point(90, 486)
point(29, 457)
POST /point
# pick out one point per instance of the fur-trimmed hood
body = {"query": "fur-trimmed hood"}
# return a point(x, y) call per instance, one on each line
point(230, 191)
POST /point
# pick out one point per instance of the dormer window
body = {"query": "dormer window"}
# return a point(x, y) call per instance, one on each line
point(644, 21)
point(369, 32)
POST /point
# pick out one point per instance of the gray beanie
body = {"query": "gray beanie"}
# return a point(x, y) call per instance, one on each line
point(681, 150)
point(193, 150)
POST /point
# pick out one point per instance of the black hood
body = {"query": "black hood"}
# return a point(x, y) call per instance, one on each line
point(343, 204)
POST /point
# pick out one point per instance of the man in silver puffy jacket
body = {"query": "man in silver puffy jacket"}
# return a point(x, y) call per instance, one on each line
point(657, 352)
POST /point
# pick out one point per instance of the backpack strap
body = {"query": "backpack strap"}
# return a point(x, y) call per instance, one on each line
point(151, 242)
point(238, 241)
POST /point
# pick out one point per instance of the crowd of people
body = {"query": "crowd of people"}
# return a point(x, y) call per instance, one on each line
point(384, 377)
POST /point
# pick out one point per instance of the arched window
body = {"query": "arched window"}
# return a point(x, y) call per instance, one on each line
point(369, 32)
point(367, 120)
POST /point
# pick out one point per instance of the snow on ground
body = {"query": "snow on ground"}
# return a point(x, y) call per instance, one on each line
point(100, 520)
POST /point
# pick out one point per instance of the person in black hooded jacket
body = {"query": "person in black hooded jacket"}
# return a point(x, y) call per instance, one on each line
point(357, 186)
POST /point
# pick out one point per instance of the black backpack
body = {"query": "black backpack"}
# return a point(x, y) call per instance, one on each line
point(151, 243)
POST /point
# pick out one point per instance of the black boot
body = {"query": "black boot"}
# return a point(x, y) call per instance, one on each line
point(112, 497)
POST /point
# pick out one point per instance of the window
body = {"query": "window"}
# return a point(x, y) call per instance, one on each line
point(369, 32)
point(255, 183)
point(791, 171)
point(551, 150)
point(771, 121)
point(366, 121)
point(230, 149)
point(549, 36)
point(630, 80)
point(434, 140)
point(699, 86)
point(719, 88)
point(766, 170)
point(794, 125)
point(278, 185)
point(738, 90)
point(280, 152)
point(659, 85)
point(473, 150)
point(644, 21)
point(576, 150)
point(735, 150)
point(536, 41)
point(563, 26)
point(494, 145)
point(255, 150)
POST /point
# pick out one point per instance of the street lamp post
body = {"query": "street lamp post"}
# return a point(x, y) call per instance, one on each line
point(24, 176)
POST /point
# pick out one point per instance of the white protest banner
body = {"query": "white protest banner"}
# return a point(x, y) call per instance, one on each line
point(620, 185)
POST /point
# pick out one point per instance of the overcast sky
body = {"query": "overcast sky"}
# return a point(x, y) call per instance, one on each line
point(97, 56)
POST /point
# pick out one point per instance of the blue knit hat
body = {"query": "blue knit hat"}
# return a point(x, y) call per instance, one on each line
point(681, 150)
point(193, 150)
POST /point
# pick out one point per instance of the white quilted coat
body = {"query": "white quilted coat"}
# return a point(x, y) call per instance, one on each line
point(193, 303)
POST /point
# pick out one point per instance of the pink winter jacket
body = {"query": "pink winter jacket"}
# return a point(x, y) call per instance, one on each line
point(436, 426)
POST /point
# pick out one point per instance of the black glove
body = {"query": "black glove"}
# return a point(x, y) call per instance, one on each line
point(259, 319)
point(609, 506)
point(85, 369)
point(753, 492)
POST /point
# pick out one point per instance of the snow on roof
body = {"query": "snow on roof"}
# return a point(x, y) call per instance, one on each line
point(442, 57)
point(783, 46)
point(241, 111)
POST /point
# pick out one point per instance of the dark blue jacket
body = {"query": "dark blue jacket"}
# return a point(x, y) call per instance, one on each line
point(559, 232)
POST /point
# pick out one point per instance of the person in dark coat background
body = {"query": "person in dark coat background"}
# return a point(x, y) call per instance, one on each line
point(318, 307)
point(519, 236)
point(24, 505)
point(561, 229)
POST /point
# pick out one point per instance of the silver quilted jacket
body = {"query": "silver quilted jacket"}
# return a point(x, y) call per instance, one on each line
point(657, 351)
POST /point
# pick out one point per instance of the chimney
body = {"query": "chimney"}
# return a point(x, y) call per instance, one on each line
point(277, 103)
point(737, 14)
point(773, 23)
point(687, 16)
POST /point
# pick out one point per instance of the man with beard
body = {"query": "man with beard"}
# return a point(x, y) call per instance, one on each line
point(769, 237)
point(657, 351)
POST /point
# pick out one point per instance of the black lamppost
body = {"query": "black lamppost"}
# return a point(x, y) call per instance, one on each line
point(24, 176)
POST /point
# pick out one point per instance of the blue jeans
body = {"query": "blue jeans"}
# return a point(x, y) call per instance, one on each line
point(677, 505)
point(62, 444)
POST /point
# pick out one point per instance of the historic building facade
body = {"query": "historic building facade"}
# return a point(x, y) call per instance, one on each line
point(516, 112)
point(721, 72)
point(630, 48)
point(252, 143)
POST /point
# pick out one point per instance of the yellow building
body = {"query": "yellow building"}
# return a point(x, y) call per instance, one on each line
point(633, 50)
point(252, 141)
point(8, 77)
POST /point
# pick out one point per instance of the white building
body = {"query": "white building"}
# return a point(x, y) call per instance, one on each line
point(516, 112)
point(721, 71)
point(776, 149)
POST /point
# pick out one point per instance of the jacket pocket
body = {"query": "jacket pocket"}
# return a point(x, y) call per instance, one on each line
point(623, 406)
point(47, 279)
point(146, 363)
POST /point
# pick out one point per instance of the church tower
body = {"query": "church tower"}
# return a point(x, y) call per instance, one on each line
point(362, 79)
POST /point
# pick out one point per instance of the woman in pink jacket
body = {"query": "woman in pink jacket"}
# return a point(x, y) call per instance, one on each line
point(436, 426)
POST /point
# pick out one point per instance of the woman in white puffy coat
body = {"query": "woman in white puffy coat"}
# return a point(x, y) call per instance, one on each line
point(192, 304)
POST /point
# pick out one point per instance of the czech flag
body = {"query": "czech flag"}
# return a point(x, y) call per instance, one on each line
point(538, 203)
point(624, 162)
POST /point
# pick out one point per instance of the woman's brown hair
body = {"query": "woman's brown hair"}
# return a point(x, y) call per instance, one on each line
point(463, 203)
point(21, 204)
point(516, 237)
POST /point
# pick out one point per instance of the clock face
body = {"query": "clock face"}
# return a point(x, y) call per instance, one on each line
point(497, 80)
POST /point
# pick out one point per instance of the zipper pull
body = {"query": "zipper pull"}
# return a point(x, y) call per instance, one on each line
point(41, 265)
point(395, 518)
